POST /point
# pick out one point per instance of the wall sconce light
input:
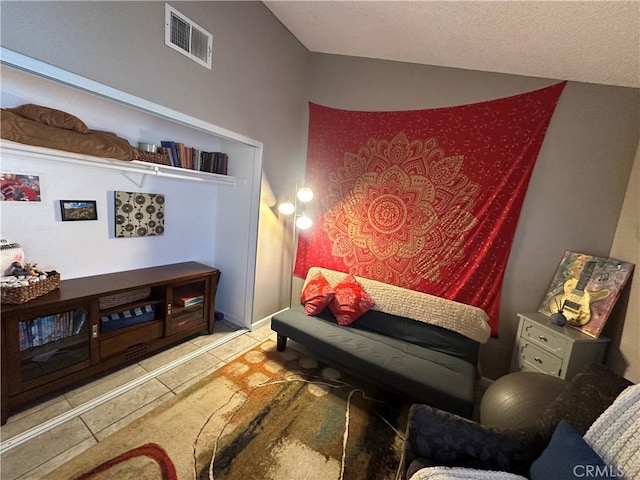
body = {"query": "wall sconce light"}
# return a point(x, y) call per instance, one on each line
point(304, 195)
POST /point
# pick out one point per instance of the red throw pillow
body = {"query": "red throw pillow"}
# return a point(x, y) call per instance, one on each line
point(316, 295)
point(350, 301)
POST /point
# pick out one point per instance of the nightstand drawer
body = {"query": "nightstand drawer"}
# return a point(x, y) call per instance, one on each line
point(559, 351)
point(540, 359)
point(546, 339)
point(527, 367)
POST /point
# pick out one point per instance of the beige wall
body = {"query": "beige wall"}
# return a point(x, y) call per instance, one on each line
point(577, 187)
point(624, 325)
point(260, 83)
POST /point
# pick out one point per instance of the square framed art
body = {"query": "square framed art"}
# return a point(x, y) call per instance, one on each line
point(138, 214)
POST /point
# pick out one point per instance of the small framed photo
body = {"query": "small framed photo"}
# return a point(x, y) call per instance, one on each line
point(73, 210)
point(19, 187)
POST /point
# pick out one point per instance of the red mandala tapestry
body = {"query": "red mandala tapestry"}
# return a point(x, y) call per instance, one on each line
point(424, 199)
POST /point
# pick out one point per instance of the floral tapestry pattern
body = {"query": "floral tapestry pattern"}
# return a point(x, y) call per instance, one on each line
point(407, 214)
point(423, 199)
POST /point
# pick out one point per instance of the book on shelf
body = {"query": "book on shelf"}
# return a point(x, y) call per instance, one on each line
point(217, 160)
point(189, 152)
point(173, 151)
point(186, 299)
point(207, 162)
point(181, 155)
point(225, 164)
point(43, 330)
point(195, 159)
point(219, 163)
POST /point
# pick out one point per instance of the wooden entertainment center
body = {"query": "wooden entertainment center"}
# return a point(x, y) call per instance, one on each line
point(100, 322)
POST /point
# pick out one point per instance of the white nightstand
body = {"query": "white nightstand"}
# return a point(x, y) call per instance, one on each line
point(559, 351)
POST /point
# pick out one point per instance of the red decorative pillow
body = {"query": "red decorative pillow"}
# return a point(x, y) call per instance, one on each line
point(350, 301)
point(316, 295)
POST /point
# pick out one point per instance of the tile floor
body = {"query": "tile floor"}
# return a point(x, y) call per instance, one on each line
point(39, 455)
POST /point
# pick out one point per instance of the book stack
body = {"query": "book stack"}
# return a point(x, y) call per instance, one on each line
point(183, 156)
point(43, 330)
point(187, 299)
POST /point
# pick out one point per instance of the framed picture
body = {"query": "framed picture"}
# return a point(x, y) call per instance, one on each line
point(585, 289)
point(139, 214)
point(19, 187)
point(73, 210)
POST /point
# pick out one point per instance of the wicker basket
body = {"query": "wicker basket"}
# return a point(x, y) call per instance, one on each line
point(117, 299)
point(161, 157)
point(17, 295)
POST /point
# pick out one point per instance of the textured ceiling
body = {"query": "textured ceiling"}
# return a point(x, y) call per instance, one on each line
point(585, 41)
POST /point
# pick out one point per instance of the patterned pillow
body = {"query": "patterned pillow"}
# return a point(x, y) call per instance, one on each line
point(316, 294)
point(350, 302)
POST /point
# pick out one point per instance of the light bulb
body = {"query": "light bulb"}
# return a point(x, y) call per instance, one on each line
point(303, 222)
point(286, 208)
point(305, 194)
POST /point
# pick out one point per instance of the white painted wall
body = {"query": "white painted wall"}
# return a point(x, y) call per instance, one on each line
point(220, 226)
point(77, 249)
point(257, 86)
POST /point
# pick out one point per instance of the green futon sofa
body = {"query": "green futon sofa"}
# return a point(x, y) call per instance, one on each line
point(402, 343)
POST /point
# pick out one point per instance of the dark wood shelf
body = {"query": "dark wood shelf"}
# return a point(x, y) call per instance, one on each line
point(130, 306)
point(78, 357)
point(61, 343)
point(129, 329)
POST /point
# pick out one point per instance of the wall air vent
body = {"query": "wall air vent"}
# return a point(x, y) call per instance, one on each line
point(187, 37)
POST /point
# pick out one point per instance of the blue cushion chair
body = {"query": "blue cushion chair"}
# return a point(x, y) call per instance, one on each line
point(443, 445)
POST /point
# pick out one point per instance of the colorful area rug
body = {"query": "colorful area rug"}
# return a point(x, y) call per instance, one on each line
point(265, 415)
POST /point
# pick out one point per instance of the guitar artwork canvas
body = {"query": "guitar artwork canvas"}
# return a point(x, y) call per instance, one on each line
point(585, 289)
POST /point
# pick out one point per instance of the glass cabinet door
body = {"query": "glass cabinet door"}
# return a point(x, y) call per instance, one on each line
point(49, 343)
point(187, 309)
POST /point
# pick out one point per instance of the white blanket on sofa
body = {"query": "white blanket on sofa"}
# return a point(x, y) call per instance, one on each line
point(469, 321)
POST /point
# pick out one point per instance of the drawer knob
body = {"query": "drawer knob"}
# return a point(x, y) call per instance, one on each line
point(537, 359)
point(543, 338)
